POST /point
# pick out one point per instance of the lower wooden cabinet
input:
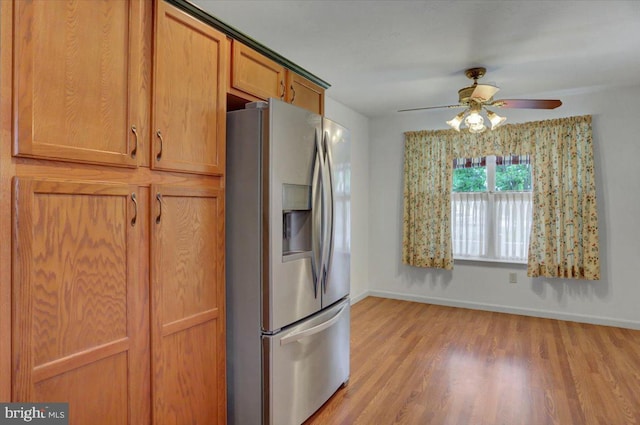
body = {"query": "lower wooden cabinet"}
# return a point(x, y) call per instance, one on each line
point(80, 328)
point(118, 300)
point(188, 315)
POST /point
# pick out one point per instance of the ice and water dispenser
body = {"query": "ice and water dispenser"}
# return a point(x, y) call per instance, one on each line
point(296, 219)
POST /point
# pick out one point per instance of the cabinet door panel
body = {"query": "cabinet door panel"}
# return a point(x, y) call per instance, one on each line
point(304, 93)
point(189, 103)
point(72, 80)
point(188, 314)
point(80, 332)
point(255, 74)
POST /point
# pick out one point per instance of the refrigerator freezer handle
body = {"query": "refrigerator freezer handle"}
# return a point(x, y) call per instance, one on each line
point(328, 190)
point(296, 336)
point(318, 185)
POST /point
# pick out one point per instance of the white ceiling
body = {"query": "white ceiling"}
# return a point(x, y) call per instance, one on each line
point(382, 56)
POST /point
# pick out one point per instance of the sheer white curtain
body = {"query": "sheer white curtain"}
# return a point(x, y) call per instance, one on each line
point(512, 225)
point(504, 215)
point(469, 223)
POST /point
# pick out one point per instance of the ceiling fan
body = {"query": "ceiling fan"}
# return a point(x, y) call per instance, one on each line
point(478, 97)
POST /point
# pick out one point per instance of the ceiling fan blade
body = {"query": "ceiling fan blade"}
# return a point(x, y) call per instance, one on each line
point(484, 92)
point(527, 103)
point(433, 107)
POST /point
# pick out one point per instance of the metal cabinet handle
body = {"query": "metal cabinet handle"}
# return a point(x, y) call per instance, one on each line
point(159, 199)
point(294, 93)
point(283, 89)
point(134, 130)
point(159, 155)
point(135, 210)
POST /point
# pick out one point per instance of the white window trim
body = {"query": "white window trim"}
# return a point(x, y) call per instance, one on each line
point(488, 260)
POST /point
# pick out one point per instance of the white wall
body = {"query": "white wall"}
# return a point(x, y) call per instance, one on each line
point(615, 299)
point(359, 128)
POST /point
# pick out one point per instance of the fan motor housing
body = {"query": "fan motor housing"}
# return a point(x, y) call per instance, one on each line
point(464, 94)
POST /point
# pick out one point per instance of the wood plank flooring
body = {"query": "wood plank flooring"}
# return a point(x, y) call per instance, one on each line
point(414, 363)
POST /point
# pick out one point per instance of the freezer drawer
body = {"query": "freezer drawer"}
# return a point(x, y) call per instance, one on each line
point(304, 365)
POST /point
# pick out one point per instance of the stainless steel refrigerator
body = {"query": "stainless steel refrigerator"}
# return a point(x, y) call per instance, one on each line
point(287, 262)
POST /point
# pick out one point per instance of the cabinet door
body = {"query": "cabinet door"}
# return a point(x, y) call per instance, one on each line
point(305, 94)
point(74, 97)
point(188, 306)
point(80, 324)
point(189, 102)
point(255, 74)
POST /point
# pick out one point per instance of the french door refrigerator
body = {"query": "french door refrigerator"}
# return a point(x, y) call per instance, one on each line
point(287, 262)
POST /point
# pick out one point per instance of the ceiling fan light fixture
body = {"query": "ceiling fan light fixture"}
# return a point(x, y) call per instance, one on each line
point(496, 120)
point(474, 119)
point(476, 97)
point(456, 121)
point(477, 128)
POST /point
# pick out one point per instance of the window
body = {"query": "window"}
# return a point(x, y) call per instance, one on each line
point(491, 208)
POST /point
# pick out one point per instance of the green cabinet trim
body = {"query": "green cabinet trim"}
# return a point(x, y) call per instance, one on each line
point(237, 35)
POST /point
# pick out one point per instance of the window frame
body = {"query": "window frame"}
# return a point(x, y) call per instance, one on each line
point(490, 235)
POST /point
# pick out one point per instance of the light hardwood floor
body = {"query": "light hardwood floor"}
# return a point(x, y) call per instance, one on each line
point(414, 363)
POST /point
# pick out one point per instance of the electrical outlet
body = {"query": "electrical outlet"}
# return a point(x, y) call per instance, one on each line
point(513, 278)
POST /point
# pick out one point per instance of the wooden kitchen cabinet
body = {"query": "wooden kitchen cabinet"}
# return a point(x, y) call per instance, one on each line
point(81, 163)
point(187, 307)
point(113, 299)
point(255, 74)
point(78, 93)
point(80, 324)
point(305, 94)
point(259, 77)
point(189, 96)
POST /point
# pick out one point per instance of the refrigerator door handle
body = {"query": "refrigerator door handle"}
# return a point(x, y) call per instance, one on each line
point(318, 234)
point(328, 189)
point(314, 236)
point(296, 336)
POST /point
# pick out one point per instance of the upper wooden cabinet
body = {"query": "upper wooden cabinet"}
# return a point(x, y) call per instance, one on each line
point(78, 93)
point(256, 74)
point(304, 93)
point(259, 77)
point(189, 96)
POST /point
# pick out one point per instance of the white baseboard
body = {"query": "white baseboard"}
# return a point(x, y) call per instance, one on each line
point(359, 297)
point(594, 320)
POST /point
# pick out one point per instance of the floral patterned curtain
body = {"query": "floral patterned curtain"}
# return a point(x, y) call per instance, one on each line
point(564, 234)
point(427, 201)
